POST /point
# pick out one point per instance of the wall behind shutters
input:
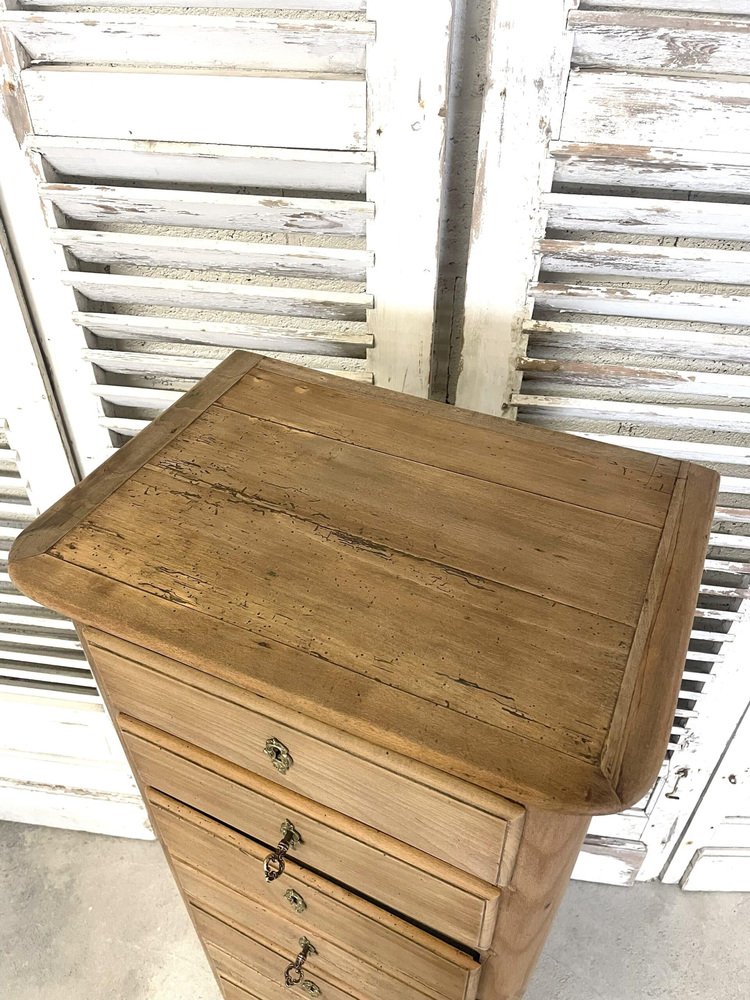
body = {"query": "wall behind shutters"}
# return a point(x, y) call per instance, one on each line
point(629, 323)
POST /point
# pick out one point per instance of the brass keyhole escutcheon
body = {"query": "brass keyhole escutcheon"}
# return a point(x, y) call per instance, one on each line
point(295, 900)
point(312, 989)
point(278, 754)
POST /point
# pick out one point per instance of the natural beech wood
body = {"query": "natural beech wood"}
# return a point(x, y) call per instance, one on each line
point(196, 841)
point(647, 698)
point(115, 472)
point(257, 962)
point(144, 794)
point(545, 581)
point(332, 960)
point(550, 845)
point(400, 878)
point(471, 829)
point(469, 634)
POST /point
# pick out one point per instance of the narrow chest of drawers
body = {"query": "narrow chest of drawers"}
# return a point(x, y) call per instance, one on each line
point(375, 662)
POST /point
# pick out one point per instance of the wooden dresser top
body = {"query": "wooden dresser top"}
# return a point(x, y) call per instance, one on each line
point(507, 604)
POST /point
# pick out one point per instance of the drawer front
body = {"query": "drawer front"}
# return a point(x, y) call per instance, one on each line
point(201, 848)
point(413, 884)
point(466, 826)
point(331, 959)
point(231, 991)
point(256, 964)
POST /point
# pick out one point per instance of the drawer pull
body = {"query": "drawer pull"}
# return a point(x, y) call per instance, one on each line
point(274, 864)
point(280, 757)
point(295, 901)
point(293, 974)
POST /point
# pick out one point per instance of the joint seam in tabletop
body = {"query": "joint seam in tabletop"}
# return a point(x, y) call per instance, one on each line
point(262, 638)
point(358, 540)
point(429, 465)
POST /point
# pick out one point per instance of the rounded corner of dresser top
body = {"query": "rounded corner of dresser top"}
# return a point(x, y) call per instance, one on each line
point(23, 559)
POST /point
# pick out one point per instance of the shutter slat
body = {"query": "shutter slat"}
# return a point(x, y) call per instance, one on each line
point(628, 261)
point(726, 541)
point(207, 210)
point(740, 593)
point(729, 484)
point(648, 109)
point(204, 165)
point(135, 396)
point(278, 260)
point(658, 342)
point(698, 6)
point(716, 614)
point(12, 486)
point(13, 635)
point(648, 216)
point(614, 300)
point(321, 5)
point(293, 112)
point(635, 379)
point(34, 617)
point(732, 514)
point(657, 414)
point(702, 636)
point(239, 336)
point(619, 40)
point(8, 460)
point(25, 671)
point(727, 566)
point(279, 300)
point(197, 41)
point(665, 168)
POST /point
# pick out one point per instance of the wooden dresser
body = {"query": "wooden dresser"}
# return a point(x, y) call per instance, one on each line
point(375, 661)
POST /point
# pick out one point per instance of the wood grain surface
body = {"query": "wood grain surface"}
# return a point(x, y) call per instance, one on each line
point(484, 597)
point(385, 940)
point(467, 827)
point(548, 852)
point(406, 881)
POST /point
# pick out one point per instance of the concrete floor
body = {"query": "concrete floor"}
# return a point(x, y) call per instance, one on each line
point(95, 918)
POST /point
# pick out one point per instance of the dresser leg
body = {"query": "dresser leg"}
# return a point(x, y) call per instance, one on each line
point(548, 851)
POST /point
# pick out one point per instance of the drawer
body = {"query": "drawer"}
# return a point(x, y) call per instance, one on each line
point(422, 888)
point(257, 965)
point(201, 849)
point(466, 826)
point(331, 959)
point(231, 991)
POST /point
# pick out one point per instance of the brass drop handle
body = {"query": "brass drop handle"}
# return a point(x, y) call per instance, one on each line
point(274, 864)
point(293, 974)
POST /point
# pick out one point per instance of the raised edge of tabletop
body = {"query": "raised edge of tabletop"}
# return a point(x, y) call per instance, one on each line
point(75, 505)
point(645, 709)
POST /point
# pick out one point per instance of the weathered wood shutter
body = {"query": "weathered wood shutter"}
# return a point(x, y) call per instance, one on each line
point(630, 324)
point(60, 762)
point(208, 182)
point(215, 182)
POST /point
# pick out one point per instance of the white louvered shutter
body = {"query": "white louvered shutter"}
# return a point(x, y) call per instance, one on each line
point(214, 182)
point(60, 761)
point(266, 181)
point(631, 323)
